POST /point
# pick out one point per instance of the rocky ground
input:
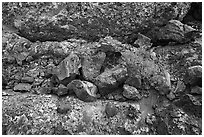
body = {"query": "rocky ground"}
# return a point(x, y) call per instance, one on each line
point(102, 69)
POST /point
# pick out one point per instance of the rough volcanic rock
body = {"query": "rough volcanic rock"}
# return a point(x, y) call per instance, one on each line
point(22, 87)
point(110, 79)
point(173, 31)
point(92, 65)
point(194, 76)
point(84, 90)
point(58, 21)
point(131, 92)
point(68, 68)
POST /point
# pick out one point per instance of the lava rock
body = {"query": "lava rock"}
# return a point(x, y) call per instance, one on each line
point(69, 67)
point(194, 76)
point(57, 27)
point(131, 92)
point(84, 90)
point(22, 87)
point(111, 110)
point(29, 80)
point(196, 90)
point(173, 31)
point(110, 79)
point(91, 66)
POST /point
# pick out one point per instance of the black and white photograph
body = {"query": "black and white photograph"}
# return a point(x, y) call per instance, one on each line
point(101, 68)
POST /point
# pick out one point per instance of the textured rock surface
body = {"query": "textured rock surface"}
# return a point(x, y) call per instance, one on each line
point(92, 66)
point(131, 92)
point(68, 68)
point(84, 90)
point(79, 87)
point(58, 21)
point(110, 79)
point(173, 31)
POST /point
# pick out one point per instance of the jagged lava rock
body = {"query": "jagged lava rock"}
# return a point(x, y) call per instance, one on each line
point(131, 92)
point(91, 65)
point(110, 79)
point(68, 68)
point(173, 31)
point(84, 90)
point(57, 21)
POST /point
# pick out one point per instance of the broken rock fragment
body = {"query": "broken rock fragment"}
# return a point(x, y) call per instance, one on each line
point(131, 92)
point(68, 68)
point(110, 79)
point(84, 90)
point(91, 66)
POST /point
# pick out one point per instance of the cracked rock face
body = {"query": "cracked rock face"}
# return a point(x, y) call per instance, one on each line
point(96, 69)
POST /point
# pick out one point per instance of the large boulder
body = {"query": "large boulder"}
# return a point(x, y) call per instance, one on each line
point(173, 31)
point(61, 21)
